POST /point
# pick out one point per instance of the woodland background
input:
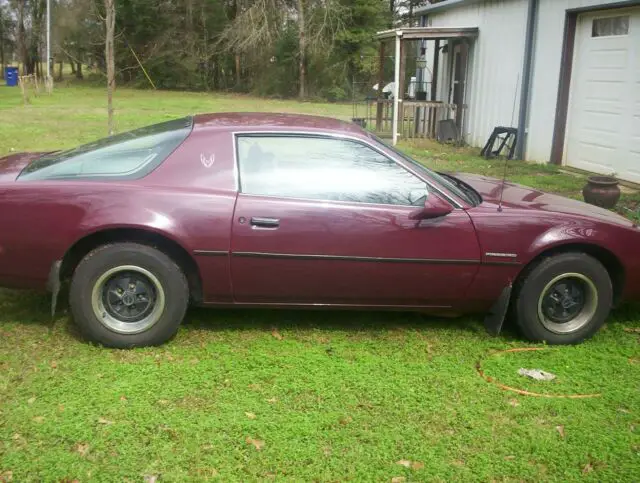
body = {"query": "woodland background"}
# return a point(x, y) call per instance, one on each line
point(318, 49)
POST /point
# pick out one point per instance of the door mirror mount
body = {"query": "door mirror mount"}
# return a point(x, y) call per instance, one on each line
point(434, 207)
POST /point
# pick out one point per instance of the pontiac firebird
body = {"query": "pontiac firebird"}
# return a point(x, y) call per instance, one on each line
point(277, 210)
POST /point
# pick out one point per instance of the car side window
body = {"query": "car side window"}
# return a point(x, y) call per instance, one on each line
point(320, 168)
point(129, 155)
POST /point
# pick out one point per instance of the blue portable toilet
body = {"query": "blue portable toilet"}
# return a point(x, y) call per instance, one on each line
point(11, 76)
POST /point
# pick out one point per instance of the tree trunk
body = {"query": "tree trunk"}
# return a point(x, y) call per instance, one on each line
point(73, 66)
point(22, 41)
point(79, 70)
point(60, 64)
point(110, 22)
point(237, 59)
point(2, 53)
point(1, 45)
point(302, 46)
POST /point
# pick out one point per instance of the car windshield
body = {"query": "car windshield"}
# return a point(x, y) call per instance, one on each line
point(454, 186)
point(129, 155)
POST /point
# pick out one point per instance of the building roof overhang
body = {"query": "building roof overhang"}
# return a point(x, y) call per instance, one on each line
point(428, 33)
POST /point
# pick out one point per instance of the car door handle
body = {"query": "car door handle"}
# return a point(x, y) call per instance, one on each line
point(259, 222)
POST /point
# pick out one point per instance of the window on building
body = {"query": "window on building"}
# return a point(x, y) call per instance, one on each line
point(609, 26)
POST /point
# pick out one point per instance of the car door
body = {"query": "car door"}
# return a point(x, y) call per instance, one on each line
point(327, 220)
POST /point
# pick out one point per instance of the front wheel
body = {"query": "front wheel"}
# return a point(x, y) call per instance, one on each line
point(564, 299)
point(128, 295)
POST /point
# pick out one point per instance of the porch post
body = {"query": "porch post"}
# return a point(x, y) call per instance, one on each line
point(379, 105)
point(396, 88)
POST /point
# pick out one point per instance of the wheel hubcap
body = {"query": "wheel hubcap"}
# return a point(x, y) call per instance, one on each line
point(128, 299)
point(567, 303)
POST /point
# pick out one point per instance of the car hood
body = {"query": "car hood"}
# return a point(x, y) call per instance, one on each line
point(12, 165)
point(521, 197)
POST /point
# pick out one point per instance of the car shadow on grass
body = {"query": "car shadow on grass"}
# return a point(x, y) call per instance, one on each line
point(34, 308)
point(335, 320)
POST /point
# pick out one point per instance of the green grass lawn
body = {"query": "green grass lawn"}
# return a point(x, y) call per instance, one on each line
point(300, 395)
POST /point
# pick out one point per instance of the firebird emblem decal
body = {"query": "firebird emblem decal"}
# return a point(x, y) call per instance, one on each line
point(207, 162)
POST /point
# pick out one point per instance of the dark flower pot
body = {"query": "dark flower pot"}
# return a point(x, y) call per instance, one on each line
point(602, 191)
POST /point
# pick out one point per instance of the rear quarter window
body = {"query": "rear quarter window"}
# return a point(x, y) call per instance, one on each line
point(130, 155)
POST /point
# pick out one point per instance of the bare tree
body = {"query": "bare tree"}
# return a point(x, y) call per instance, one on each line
point(302, 46)
point(110, 23)
point(261, 25)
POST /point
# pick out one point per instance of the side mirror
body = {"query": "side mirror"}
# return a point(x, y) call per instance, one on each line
point(434, 207)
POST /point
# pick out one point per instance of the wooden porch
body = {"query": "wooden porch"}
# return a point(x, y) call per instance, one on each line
point(408, 113)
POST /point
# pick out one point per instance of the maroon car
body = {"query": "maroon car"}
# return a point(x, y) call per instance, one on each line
point(276, 210)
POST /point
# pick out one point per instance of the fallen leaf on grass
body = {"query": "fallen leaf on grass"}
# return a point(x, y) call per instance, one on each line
point(509, 457)
point(258, 444)
point(632, 330)
point(250, 415)
point(514, 403)
point(53, 364)
point(123, 398)
point(345, 420)
point(207, 473)
point(39, 419)
point(588, 468)
point(31, 400)
point(276, 334)
point(6, 476)
point(273, 400)
point(82, 449)
point(398, 479)
point(150, 478)
point(104, 421)
point(414, 465)
point(560, 430)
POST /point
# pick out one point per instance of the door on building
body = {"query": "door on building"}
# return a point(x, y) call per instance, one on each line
point(603, 128)
point(459, 80)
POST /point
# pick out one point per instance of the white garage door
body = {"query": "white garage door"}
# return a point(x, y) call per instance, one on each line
point(604, 110)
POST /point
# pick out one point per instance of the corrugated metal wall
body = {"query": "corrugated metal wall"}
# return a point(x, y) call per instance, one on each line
point(495, 66)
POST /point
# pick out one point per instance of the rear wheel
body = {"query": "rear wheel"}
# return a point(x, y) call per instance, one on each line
point(564, 299)
point(128, 295)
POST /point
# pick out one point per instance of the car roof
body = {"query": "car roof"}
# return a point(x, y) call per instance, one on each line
point(267, 121)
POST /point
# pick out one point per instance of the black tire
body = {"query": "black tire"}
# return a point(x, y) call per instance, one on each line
point(165, 306)
point(531, 301)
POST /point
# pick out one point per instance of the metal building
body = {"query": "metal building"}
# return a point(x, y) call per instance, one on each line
point(566, 72)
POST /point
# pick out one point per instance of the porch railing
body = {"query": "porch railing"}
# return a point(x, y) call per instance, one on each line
point(416, 119)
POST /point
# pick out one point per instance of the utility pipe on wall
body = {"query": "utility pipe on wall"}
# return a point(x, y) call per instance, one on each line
point(527, 64)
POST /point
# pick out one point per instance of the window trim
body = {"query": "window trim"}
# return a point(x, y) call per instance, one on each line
point(325, 135)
